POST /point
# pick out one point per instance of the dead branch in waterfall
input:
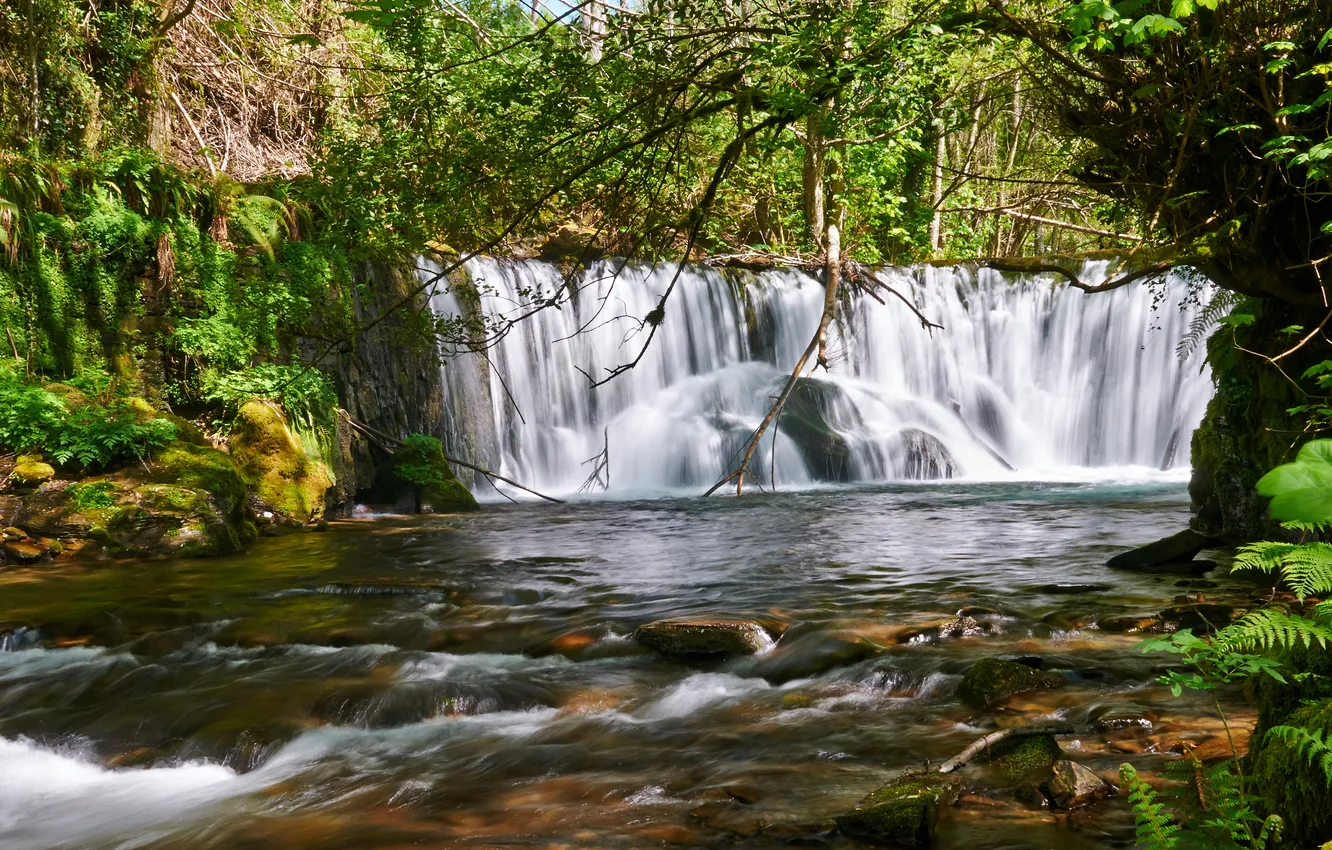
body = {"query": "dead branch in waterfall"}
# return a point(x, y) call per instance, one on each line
point(392, 444)
point(993, 738)
point(602, 461)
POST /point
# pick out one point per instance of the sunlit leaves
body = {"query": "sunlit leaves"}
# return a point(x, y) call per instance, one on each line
point(1301, 491)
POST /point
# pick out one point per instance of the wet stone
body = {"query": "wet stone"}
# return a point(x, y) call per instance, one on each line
point(1073, 785)
point(801, 656)
point(1019, 758)
point(702, 637)
point(1072, 589)
point(1175, 551)
point(991, 681)
point(1200, 616)
point(903, 813)
point(21, 552)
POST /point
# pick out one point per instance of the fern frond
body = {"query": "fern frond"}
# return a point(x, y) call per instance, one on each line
point(1306, 567)
point(1156, 829)
point(1205, 322)
point(1322, 613)
point(1272, 628)
point(1313, 745)
point(1270, 833)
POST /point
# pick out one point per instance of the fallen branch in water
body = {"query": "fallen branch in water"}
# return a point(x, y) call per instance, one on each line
point(391, 444)
point(995, 737)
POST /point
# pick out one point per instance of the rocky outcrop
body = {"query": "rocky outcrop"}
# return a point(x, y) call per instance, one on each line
point(903, 813)
point(992, 681)
point(704, 637)
point(187, 500)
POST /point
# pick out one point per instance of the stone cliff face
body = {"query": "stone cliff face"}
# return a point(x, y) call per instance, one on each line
point(387, 379)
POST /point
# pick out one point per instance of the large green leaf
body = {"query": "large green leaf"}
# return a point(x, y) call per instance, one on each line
point(1301, 491)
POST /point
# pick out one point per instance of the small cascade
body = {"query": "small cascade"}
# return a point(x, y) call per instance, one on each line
point(1029, 378)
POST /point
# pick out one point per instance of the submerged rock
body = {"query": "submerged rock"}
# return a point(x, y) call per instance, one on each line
point(1170, 554)
point(695, 637)
point(1201, 617)
point(902, 813)
point(991, 681)
point(924, 456)
point(805, 419)
point(1073, 785)
point(25, 552)
point(802, 655)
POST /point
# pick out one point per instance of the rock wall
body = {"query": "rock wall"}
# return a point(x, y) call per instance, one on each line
point(1249, 427)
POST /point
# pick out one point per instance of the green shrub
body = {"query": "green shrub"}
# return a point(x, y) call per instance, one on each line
point(91, 432)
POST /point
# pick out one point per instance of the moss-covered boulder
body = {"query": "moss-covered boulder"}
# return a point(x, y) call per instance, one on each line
point(187, 500)
point(1018, 758)
point(902, 813)
point(703, 637)
point(805, 419)
point(1291, 784)
point(287, 481)
point(420, 463)
point(992, 681)
point(31, 471)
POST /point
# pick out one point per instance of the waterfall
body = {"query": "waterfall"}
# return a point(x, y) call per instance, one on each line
point(1027, 373)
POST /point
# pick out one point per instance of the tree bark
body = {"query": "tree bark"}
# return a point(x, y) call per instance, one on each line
point(814, 177)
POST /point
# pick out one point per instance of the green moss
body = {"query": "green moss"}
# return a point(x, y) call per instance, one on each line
point(1018, 758)
point(274, 463)
point(421, 462)
point(93, 495)
point(198, 467)
point(902, 813)
point(991, 681)
point(32, 472)
point(1290, 785)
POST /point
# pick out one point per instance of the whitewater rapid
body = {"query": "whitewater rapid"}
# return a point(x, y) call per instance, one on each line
point(1026, 373)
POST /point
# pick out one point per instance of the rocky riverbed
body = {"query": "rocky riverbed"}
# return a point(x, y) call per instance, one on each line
point(497, 679)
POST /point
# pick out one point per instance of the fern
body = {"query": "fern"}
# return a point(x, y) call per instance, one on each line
point(1156, 829)
point(1313, 745)
point(1306, 567)
point(1273, 628)
point(1204, 323)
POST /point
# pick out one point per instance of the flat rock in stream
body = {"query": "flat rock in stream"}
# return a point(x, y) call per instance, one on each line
point(991, 681)
point(1170, 554)
point(902, 813)
point(704, 637)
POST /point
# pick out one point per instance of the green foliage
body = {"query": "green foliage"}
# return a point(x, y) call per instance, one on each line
point(93, 495)
point(1156, 828)
point(1301, 491)
point(304, 394)
point(417, 461)
point(90, 432)
point(1314, 745)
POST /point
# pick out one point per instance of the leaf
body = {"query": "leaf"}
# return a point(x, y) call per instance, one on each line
point(304, 38)
point(1237, 320)
point(1235, 128)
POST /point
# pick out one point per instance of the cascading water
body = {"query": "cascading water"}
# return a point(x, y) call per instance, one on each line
point(1026, 373)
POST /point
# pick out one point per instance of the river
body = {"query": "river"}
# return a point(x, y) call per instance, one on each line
point(471, 681)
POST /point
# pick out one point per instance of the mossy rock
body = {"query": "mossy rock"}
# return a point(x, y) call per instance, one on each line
point(1018, 758)
point(32, 472)
point(1291, 785)
point(805, 420)
point(420, 462)
point(275, 466)
point(992, 681)
point(902, 813)
point(190, 501)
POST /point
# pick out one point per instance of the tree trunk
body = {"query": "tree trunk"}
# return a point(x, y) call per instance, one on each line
point(936, 196)
point(813, 178)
